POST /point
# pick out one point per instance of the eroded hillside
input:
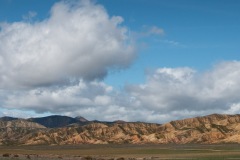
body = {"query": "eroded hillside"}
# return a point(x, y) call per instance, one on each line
point(210, 129)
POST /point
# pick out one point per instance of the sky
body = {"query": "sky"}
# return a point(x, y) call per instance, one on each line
point(132, 60)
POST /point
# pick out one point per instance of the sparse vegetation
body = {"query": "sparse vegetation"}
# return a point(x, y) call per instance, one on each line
point(6, 155)
point(28, 157)
point(16, 155)
point(124, 152)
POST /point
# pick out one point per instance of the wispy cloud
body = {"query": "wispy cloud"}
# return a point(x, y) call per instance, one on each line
point(154, 30)
point(155, 34)
point(151, 31)
point(172, 43)
point(29, 16)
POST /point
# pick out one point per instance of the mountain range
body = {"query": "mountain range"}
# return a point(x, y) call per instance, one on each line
point(61, 130)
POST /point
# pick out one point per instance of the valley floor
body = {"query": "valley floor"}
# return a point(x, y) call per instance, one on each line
point(122, 152)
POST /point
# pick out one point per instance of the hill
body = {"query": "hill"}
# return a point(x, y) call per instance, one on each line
point(211, 129)
point(56, 121)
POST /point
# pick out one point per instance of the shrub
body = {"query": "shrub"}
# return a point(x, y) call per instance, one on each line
point(6, 155)
point(28, 157)
point(88, 158)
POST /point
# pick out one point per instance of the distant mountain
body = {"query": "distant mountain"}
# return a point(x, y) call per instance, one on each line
point(7, 118)
point(81, 119)
point(211, 129)
point(56, 121)
point(119, 121)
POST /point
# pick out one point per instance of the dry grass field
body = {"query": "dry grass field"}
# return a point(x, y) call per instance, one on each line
point(121, 152)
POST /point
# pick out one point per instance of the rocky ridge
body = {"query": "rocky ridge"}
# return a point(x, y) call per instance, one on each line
point(13, 131)
point(209, 129)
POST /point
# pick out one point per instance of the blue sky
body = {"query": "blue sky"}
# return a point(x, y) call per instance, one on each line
point(152, 48)
point(197, 34)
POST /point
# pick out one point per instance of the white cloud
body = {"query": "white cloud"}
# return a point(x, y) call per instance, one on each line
point(78, 41)
point(168, 94)
point(173, 43)
point(234, 108)
point(29, 16)
point(93, 100)
point(61, 99)
point(156, 31)
point(182, 75)
point(102, 100)
point(183, 92)
point(19, 113)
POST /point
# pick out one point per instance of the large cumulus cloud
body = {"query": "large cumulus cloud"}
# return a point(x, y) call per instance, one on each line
point(78, 41)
